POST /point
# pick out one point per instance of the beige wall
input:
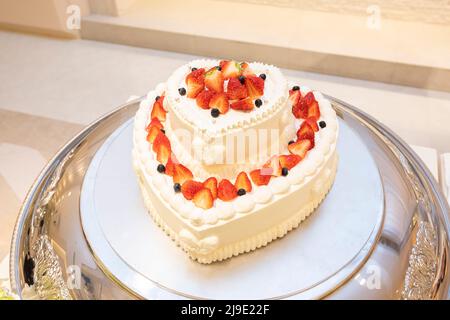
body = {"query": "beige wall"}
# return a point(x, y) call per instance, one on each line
point(41, 16)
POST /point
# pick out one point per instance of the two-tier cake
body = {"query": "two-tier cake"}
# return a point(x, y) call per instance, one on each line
point(229, 157)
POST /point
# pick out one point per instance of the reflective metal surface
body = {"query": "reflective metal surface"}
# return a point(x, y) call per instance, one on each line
point(50, 257)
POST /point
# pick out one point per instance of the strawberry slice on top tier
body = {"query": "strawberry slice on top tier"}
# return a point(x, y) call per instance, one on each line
point(229, 85)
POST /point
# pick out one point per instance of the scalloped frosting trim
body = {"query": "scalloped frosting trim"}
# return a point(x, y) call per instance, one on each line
point(187, 111)
point(311, 165)
point(208, 250)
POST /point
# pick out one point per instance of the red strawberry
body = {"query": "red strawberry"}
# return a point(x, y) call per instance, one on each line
point(199, 73)
point(313, 123)
point(220, 101)
point(309, 98)
point(204, 199)
point(255, 86)
point(211, 184)
point(152, 133)
point(181, 174)
point(154, 123)
point(258, 178)
point(305, 131)
point(214, 80)
point(163, 154)
point(195, 86)
point(314, 111)
point(158, 112)
point(203, 99)
point(231, 69)
point(243, 182)
point(294, 96)
point(300, 110)
point(190, 187)
point(300, 147)
point(289, 161)
point(272, 167)
point(226, 191)
point(161, 139)
point(170, 166)
point(243, 105)
point(236, 90)
point(161, 99)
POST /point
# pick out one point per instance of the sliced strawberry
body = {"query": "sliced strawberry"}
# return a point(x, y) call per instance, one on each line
point(309, 98)
point(236, 90)
point(300, 148)
point(314, 111)
point(181, 174)
point(258, 178)
point(199, 73)
point(161, 146)
point(170, 166)
point(214, 80)
point(294, 96)
point(203, 99)
point(272, 167)
point(226, 190)
point(220, 101)
point(243, 105)
point(255, 86)
point(313, 123)
point(195, 86)
point(305, 131)
point(289, 161)
point(154, 123)
point(161, 99)
point(190, 187)
point(160, 139)
point(158, 112)
point(231, 69)
point(163, 153)
point(243, 182)
point(300, 110)
point(152, 133)
point(204, 199)
point(211, 184)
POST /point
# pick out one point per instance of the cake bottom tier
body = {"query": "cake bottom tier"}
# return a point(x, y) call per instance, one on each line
point(236, 240)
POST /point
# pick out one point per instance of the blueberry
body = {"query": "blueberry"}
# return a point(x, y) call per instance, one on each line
point(241, 192)
point(262, 76)
point(258, 103)
point(291, 142)
point(241, 79)
point(194, 69)
point(163, 131)
point(215, 113)
point(219, 68)
point(177, 187)
point(182, 91)
point(157, 98)
point(284, 171)
point(161, 168)
point(295, 88)
point(322, 124)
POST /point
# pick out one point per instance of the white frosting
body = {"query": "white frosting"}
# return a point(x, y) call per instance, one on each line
point(315, 168)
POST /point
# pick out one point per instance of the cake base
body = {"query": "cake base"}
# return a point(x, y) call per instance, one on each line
point(245, 245)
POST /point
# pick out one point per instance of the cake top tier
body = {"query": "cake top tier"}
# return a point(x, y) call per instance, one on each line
point(215, 97)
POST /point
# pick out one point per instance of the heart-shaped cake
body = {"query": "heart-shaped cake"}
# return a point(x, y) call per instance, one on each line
point(229, 157)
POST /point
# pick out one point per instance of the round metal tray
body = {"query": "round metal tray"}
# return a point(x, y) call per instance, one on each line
point(405, 257)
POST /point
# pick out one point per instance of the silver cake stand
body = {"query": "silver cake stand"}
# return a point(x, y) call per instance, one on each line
point(381, 233)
